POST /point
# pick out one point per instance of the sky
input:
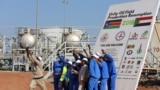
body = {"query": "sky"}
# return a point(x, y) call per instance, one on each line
point(87, 14)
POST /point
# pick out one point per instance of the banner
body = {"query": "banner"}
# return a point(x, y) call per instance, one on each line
point(125, 35)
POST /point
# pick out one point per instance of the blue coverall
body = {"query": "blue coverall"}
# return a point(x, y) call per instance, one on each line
point(57, 70)
point(73, 85)
point(104, 75)
point(112, 72)
point(94, 73)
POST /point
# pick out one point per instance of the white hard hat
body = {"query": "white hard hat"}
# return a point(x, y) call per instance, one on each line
point(69, 62)
point(40, 58)
point(99, 54)
point(78, 61)
point(95, 55)
point(85, 59)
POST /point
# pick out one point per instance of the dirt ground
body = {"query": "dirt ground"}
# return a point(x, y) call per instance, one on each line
point(21, 81)
point(18, 81)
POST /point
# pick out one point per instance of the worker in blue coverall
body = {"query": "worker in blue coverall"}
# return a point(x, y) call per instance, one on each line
point(112, 71)
point(94, 73)
point(104, 73)
point(57, 70)
point(73, 85)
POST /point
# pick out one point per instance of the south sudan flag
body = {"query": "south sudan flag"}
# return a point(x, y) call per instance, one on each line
point(111, 24)
point(143, 21)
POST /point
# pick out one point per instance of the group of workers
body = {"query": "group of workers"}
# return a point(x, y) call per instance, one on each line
point(93, 71)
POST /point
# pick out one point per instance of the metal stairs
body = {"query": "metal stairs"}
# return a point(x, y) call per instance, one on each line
point(64, 50)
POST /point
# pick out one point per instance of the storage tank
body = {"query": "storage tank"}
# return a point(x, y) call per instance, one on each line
point(60, 34)
point(72, 40)
point(27, 40)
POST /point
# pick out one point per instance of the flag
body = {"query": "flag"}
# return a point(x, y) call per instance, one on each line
point(143, 21)
point(111, 24)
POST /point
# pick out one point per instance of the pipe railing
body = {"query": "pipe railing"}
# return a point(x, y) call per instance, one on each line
point(62, 49)
point(153, 59)
point(52, 57)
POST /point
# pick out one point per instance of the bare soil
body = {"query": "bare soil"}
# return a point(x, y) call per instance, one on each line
point(21, 81)
point(18, 81)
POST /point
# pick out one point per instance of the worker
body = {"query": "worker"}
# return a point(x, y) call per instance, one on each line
point(77, 55)
point(83, 73)
point(112, 71)
point(104, 72)
point(64, 79)
point(73, 84)
point(94, 73)
point(57, 70)
point(88, 56)
point(37, 63)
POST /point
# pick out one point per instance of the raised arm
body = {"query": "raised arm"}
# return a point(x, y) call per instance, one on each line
point(87, 55)
point(89, 47)
point(103, 52)
point(75, 54)
point(29, 55)
point(32, 58)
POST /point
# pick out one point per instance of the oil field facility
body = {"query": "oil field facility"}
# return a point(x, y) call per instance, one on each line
point(47, 41)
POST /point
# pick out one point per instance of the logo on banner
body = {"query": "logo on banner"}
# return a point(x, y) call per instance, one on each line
point(131, 46)
point(120, 35)
point(112, 24)
point(129, 52)
point(134, 36)
point(143, 21)
point(144, 35)
point(104, 37)
point(140, 49)
point(136, 71)
point(123, 66)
